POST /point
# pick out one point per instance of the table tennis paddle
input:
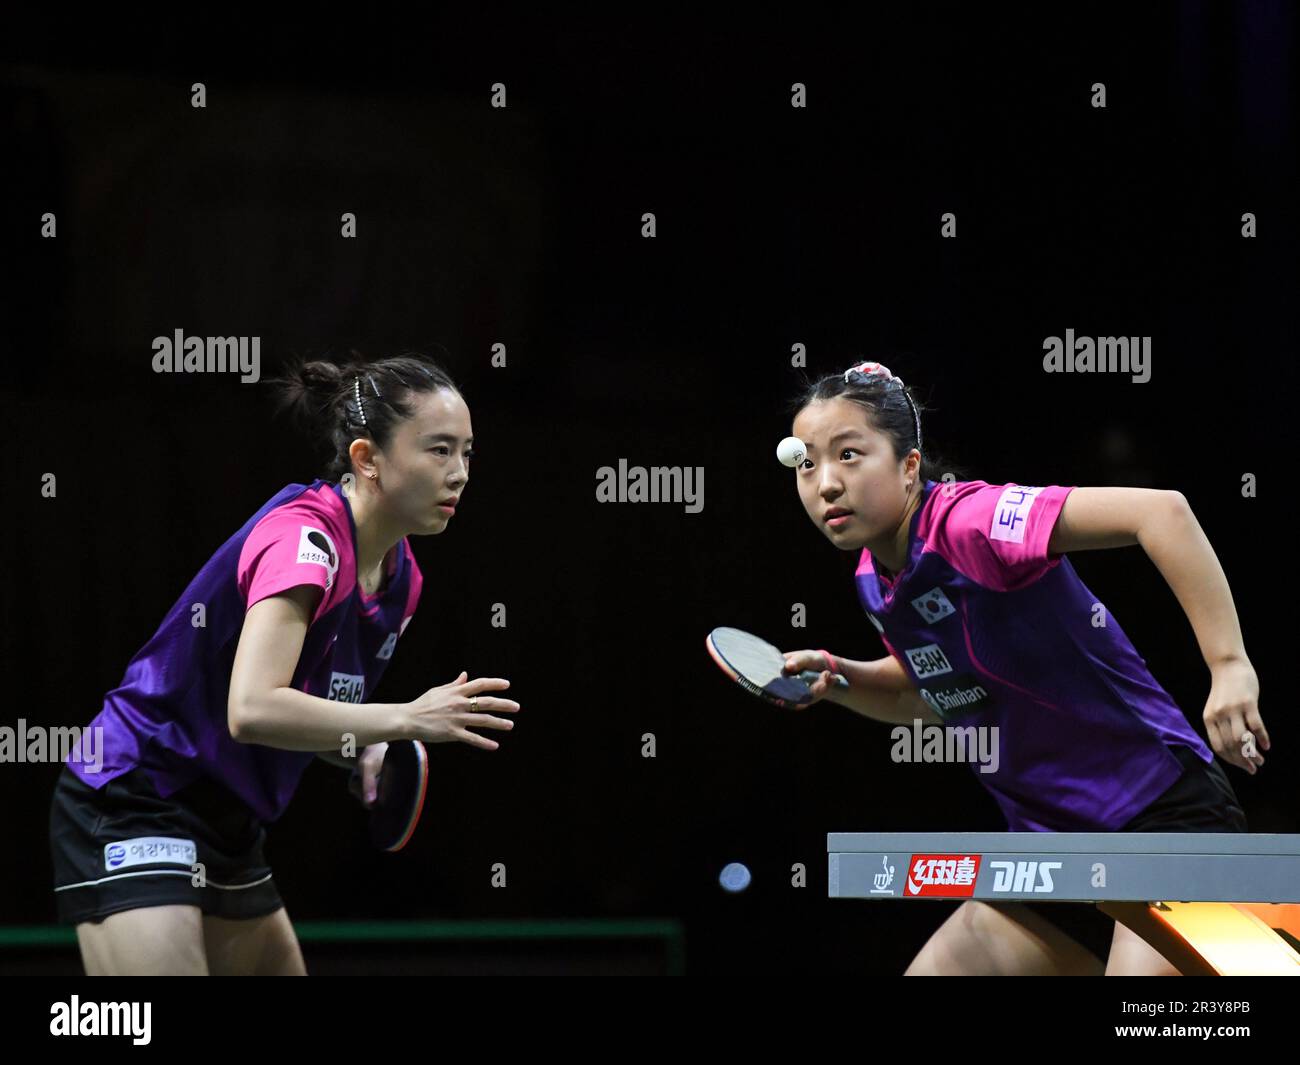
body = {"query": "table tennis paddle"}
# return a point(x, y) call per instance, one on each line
point(403, 781)
point(759, 668)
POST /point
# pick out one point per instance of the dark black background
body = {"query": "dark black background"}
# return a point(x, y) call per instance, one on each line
point(521, 226)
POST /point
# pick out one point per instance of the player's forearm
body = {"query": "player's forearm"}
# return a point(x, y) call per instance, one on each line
point(1174, 541)
point(881, 691)
point(295, 721)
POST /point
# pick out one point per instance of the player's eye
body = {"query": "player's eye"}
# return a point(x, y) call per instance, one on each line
point(470, 454)
point(848, 451)
point(441, 449)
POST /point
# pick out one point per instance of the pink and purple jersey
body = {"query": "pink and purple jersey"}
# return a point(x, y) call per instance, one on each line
point(994, 631)
point(169, 714)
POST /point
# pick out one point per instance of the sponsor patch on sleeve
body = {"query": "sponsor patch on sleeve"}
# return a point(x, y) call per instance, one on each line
point(1011, 515)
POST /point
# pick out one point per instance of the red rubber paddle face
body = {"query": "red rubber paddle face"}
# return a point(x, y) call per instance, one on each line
point(403, 781)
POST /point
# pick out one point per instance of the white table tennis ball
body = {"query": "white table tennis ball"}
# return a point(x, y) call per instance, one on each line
point(791, 451)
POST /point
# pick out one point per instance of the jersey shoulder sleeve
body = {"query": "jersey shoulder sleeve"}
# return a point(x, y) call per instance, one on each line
point(304, 541)
point(997, 535)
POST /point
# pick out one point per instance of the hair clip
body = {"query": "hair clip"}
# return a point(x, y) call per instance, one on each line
point(871, 369)
point(356, 388)
point(875, 369)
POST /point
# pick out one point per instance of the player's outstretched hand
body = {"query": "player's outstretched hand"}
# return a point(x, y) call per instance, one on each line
point(444, 714)
point(797, 661)
point(1231, 716)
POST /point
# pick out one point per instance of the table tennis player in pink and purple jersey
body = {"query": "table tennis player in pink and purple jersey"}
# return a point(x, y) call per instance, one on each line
point(169, 714)
point(270, 656)
point(992, 626)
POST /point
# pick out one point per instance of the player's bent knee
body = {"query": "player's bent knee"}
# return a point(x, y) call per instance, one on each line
point(955, 948)
point(253, 946)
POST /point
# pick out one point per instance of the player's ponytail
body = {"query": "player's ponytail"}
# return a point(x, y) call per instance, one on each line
point(337, 404)
point(892, 408)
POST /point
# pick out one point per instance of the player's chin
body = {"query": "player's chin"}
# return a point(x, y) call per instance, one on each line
point(845, 539)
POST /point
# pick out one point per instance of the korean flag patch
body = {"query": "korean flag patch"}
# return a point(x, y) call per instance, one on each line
point(934, 605)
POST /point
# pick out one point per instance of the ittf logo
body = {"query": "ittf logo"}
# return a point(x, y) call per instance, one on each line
point(947, 876)
point(934, 605)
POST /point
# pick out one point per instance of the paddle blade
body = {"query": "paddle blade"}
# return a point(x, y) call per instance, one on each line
point(403, 781)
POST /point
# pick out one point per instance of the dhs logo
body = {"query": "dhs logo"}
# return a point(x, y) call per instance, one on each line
point(1024, 878)
point(934, 605)
point(346, 687)
point(115, 855)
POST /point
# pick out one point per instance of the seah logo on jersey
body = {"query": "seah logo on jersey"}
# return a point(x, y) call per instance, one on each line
point(346, 687)
point(934, 605)
point(1024, 878)
point(928, 661)
point(386, 651)
point(942, 875)
point(315, 547)
point(1011, 515)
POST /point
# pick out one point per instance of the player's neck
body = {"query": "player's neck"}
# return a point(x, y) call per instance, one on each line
point(375, 539)
point(891, 554)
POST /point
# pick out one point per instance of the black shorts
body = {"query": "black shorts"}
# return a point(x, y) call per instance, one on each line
point(1201, 800)
point(123, 847)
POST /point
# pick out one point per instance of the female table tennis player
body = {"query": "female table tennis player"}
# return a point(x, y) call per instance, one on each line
point(988, 624)
point(268, 656)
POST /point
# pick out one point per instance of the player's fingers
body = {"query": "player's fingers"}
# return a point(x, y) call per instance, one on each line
point(484, 684)
point(1216, 741)
point(819, 687)
point(798, 661)
point(485, 721)
point(1245, 741)
point(1256, 725)
point(476, 741)
point(487, 702)
point(370, 774)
